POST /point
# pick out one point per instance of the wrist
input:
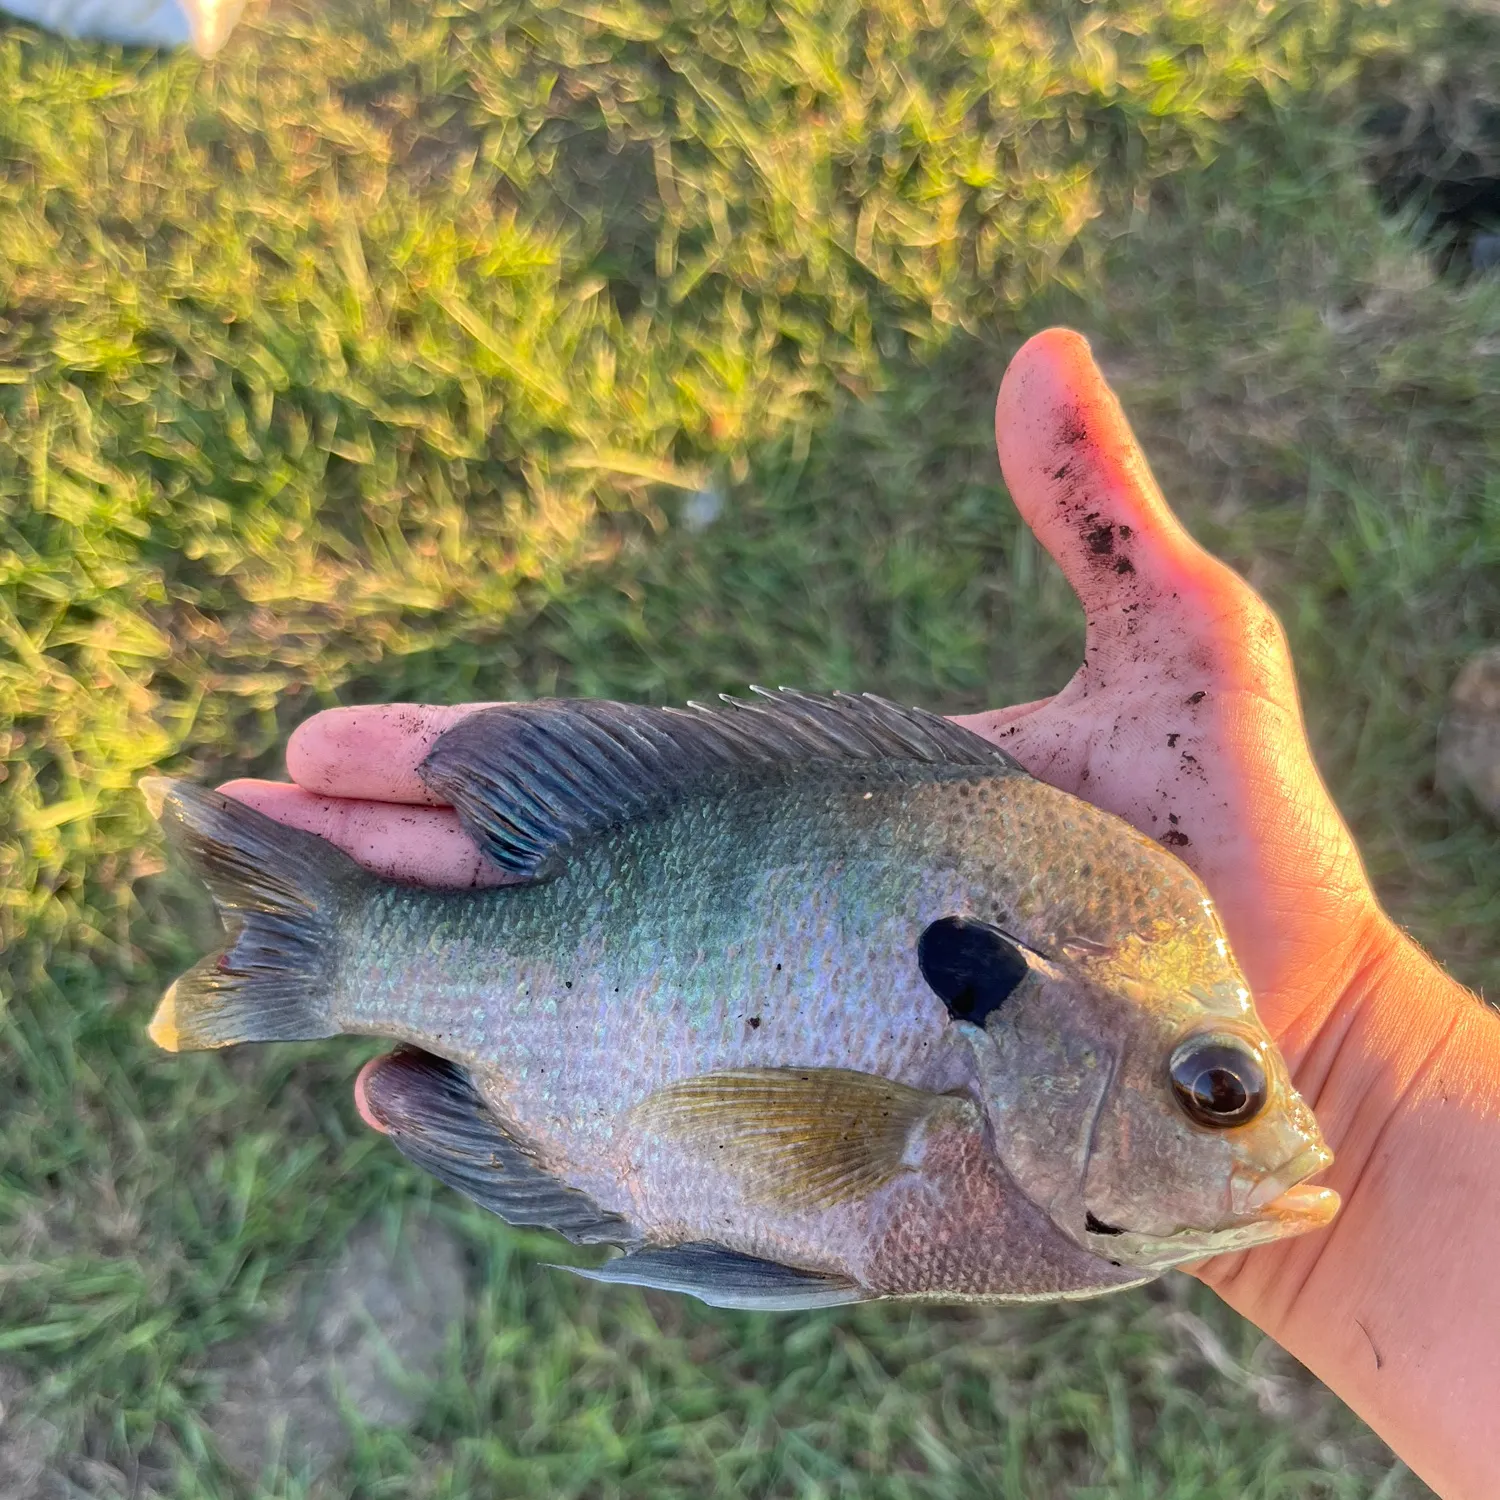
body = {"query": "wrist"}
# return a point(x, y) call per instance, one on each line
point(1393, 1305)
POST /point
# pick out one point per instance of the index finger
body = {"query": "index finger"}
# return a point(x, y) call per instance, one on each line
point(371, 752)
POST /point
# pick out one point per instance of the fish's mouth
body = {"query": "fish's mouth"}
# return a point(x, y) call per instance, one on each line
point(1301, 1208)
point(1296, 1211)
point(1275, 1207)
point(1253, 1193)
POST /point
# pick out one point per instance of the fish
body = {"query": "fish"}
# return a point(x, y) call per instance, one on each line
point(794, 1000)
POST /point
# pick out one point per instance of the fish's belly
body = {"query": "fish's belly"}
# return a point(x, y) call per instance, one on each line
point(951, 1224)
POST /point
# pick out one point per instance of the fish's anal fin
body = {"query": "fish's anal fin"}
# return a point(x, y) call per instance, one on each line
point(801, 1138)
point(726, 1278)
point(437, 1118)
point(530, 779)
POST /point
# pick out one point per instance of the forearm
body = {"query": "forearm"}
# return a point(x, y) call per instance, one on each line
point(1396, 1305)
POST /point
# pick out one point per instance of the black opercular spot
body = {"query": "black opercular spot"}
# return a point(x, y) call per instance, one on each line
point(1098, 1226)
point(970, 966)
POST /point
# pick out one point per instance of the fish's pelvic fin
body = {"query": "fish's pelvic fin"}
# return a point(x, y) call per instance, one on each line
point(531, 779)
point(725, 1278)
point(279, 892)
point(800, 1137)
point(437, 1118)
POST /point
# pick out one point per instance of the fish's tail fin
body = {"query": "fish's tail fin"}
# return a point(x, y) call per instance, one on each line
point(280, 893)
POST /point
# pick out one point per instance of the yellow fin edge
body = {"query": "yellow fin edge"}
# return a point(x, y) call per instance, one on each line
point(153, 790)
point(163, 1028)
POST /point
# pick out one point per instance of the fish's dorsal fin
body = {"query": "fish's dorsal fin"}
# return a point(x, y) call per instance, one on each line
point(530, 779)
point(436, 1117)
point(726, 1278)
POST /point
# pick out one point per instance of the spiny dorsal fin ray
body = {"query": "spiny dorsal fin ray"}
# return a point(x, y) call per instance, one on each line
point(531, 779)
point(801, 1138)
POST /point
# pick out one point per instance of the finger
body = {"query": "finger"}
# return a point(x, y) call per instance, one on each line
point(371, 752)
point(418, 845)
point(1081, 482)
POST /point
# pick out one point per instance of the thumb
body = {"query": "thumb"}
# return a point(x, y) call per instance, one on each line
point(1081, 483)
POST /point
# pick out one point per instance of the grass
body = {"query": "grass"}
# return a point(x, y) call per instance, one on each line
point(394, 353)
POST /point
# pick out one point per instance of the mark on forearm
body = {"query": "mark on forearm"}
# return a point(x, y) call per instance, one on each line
point(1379, 1358)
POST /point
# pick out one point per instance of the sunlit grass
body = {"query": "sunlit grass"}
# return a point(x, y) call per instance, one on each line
point(385, 356)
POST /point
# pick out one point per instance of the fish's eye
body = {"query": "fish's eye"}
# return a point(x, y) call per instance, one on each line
point(970, 966)
point(1219, 1081)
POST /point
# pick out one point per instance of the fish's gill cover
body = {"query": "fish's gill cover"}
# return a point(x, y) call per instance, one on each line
point(529, 779)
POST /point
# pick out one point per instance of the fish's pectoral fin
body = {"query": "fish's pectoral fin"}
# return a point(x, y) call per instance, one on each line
point(438, 1119)
point(725, 1278)
point(798, 1137)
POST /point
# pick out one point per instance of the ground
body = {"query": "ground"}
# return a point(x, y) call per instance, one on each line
point(424, 348)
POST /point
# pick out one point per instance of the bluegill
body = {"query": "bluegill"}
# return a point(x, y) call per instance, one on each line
point(797, 1001)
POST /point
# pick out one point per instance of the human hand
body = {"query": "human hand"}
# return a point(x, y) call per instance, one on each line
point(1184, 720)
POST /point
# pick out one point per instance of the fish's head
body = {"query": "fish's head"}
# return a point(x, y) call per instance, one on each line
point(1139, 1100)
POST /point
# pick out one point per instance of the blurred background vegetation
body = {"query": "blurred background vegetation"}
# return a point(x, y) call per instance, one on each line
point(484, 348)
